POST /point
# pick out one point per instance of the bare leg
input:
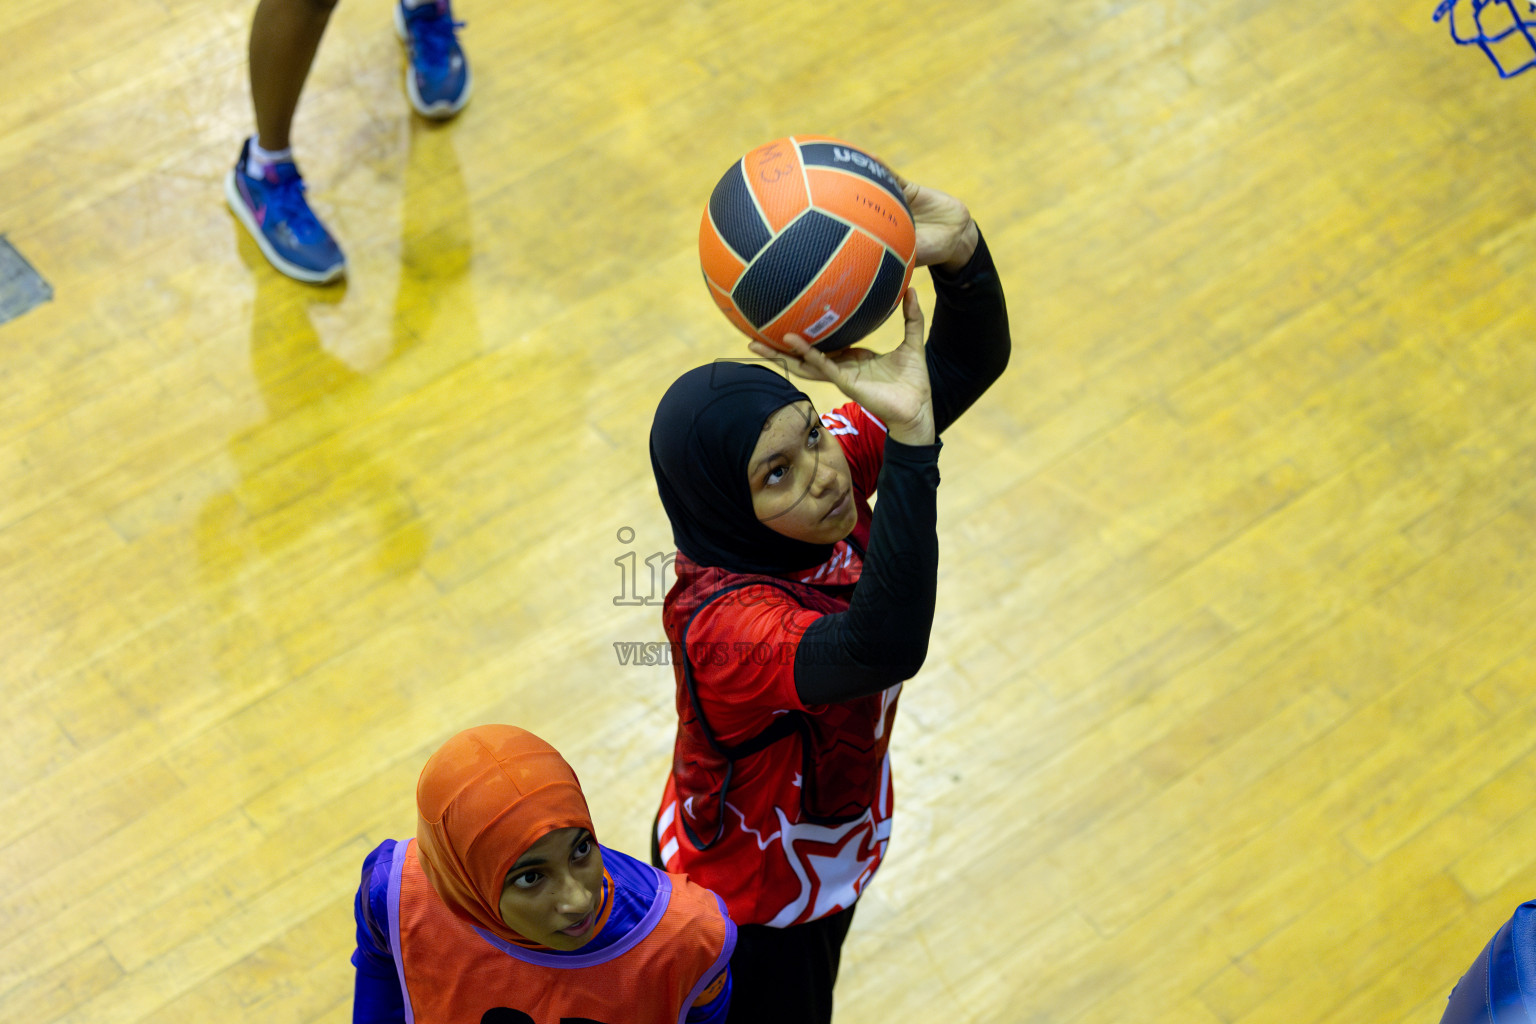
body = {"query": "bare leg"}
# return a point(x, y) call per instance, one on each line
point(284, 37)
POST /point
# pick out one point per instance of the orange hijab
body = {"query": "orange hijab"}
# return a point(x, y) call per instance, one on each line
point(483, 799)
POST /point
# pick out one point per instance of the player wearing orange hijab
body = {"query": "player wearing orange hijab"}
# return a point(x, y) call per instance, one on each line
point(505, 910)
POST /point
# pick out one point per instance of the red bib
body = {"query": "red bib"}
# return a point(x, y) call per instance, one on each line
point(454, 973)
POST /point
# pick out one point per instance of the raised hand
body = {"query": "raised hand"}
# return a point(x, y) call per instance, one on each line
point(894, 386)
point(946, 236)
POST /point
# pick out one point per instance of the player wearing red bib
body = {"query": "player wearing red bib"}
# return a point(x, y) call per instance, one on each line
point(798, 613)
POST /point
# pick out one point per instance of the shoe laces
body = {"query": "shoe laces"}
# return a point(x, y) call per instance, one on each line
point(435, 37)
point(285, 204)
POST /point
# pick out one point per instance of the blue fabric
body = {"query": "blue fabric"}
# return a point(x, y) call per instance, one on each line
point(1522, 931)
point(717, 1009)
point(1500, 986)
point(634, 889)
point(377, 997)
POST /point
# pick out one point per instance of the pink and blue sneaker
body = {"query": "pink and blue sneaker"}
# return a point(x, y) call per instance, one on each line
point(437, 80)
point(274, 211)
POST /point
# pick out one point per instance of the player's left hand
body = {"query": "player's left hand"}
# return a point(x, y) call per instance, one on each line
point(946, 235)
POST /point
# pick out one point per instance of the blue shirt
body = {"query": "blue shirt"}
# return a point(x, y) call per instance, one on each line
point(1500, 987)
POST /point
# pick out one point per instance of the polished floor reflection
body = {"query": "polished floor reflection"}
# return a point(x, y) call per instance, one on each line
point(1229, 713)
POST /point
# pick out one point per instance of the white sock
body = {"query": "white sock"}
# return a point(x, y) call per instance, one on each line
point(257, 162)
point(411, 5)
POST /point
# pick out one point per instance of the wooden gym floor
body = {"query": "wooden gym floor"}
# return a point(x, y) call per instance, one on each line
point(1229, 714)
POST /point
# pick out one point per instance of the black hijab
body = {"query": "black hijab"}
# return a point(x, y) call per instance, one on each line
point(706, 426)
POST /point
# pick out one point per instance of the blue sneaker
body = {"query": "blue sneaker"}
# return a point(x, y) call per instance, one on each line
point(437, 81)
point(273, 210)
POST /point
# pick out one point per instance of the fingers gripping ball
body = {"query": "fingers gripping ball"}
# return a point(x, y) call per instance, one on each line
point(807, 235)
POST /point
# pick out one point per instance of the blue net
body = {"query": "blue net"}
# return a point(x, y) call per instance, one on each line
point(1502, 29)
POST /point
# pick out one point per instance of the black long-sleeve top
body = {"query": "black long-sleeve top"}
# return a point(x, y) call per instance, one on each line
point(882, 638)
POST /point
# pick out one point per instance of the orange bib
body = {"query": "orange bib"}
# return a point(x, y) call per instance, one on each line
point(454, 973)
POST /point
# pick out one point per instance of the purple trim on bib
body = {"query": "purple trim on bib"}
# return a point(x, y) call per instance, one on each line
point(715, 968)
point(570, 961)
point(396, 871)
